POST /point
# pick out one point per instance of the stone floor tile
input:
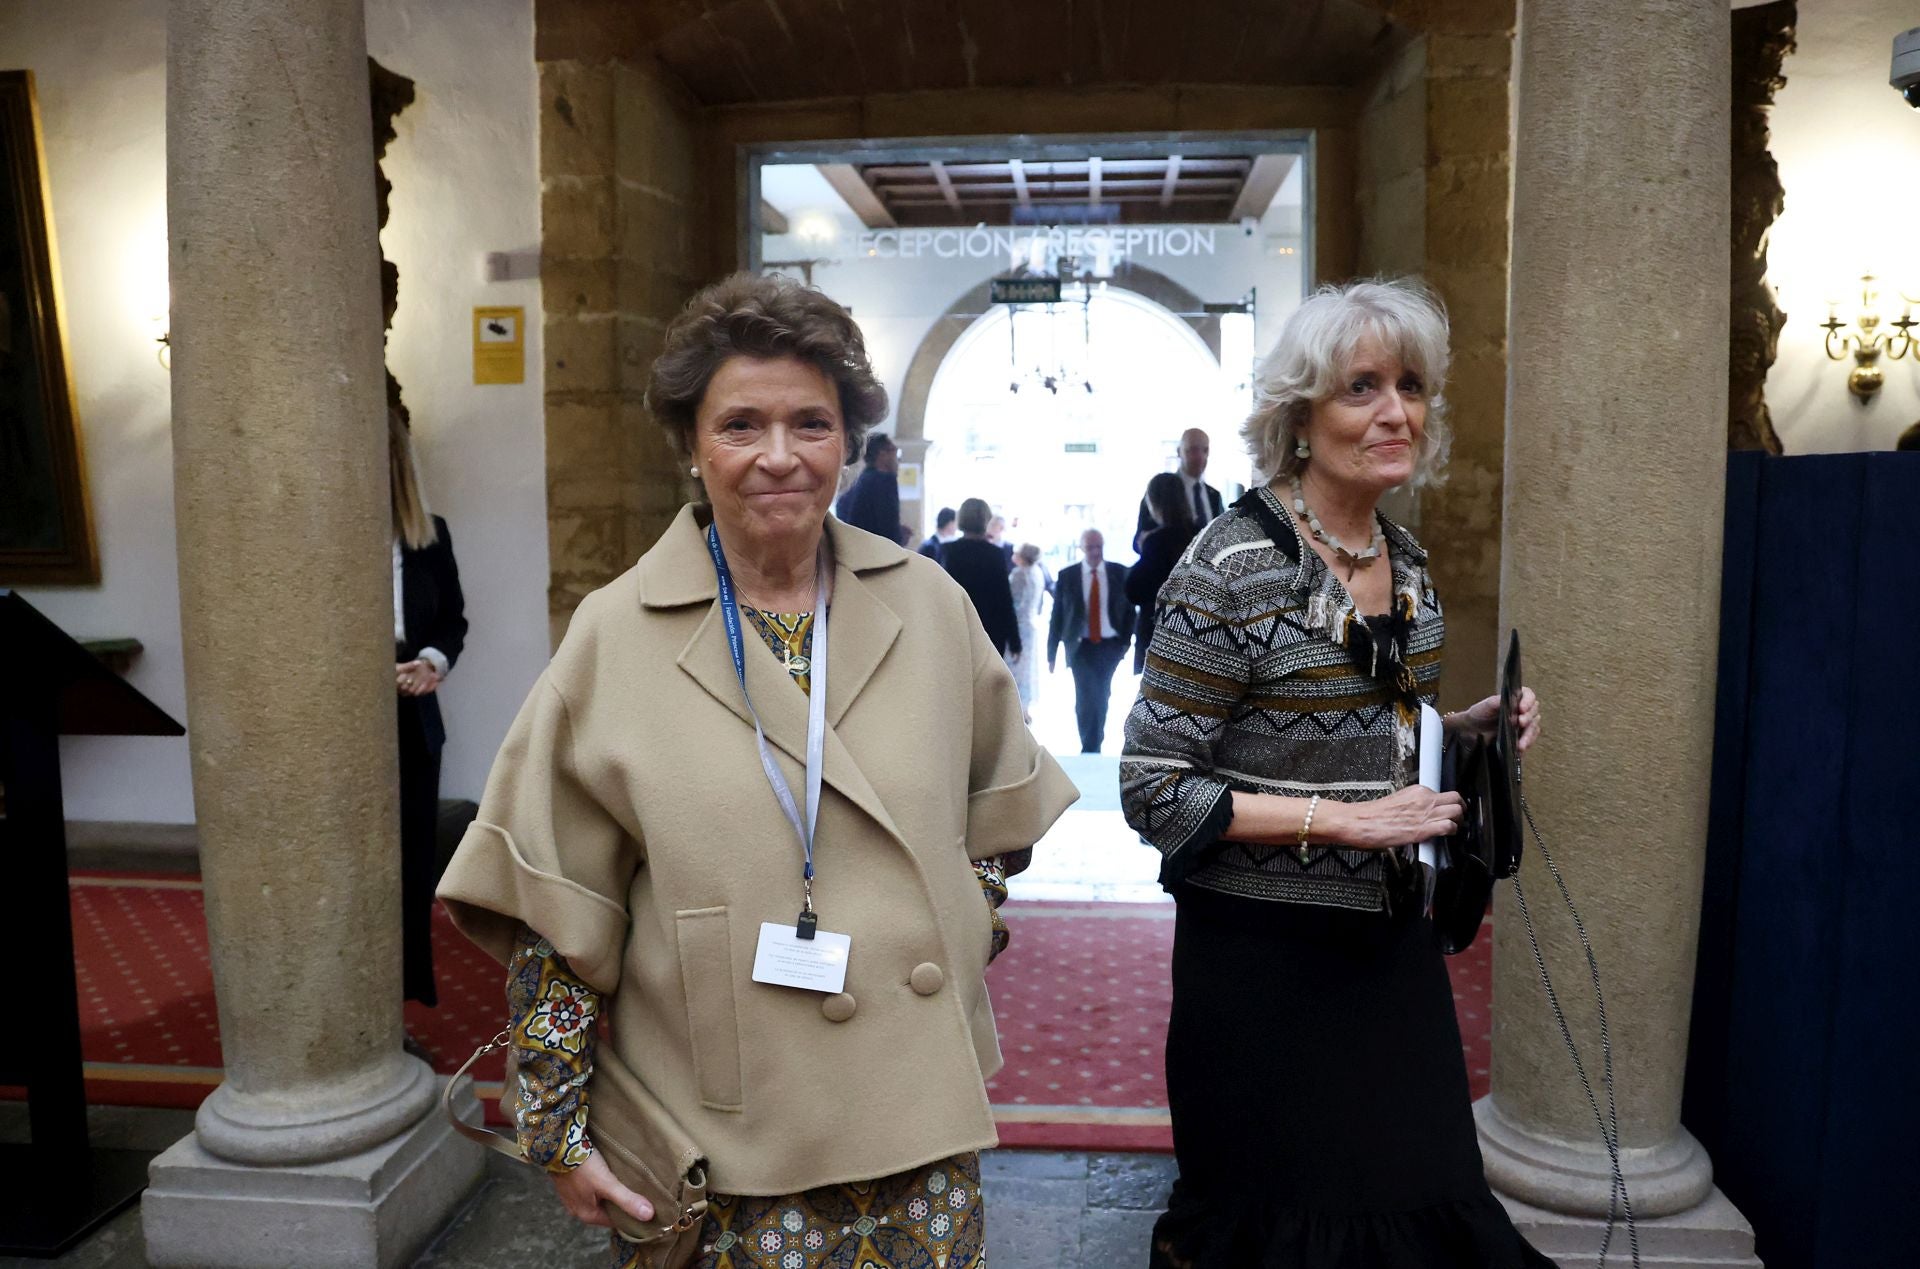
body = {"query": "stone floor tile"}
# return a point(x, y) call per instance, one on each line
point(1138, 1182)
point(1010, 1166)
point(1115, 1238)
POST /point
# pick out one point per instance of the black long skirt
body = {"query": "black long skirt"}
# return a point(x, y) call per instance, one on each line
point(1321, 1118)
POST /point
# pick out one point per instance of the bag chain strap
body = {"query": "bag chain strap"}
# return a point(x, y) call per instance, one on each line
point(690, 1215)
point(1609, 1124)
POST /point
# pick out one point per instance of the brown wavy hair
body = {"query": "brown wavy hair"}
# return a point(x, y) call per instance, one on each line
point(750, 315)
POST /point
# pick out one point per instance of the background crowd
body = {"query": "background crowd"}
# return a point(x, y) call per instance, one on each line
point(1095, 610)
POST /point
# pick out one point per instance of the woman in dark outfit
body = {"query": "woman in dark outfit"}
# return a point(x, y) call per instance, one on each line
point(429, 629)
point(1160, 550)
point(1314, 1073)
point(981, 569)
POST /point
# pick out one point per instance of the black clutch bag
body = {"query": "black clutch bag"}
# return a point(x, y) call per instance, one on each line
point(1485, 773)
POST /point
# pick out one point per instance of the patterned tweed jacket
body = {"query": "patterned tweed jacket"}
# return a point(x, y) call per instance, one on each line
point(1262, 678)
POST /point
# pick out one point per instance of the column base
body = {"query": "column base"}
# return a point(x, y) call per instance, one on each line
point(277, 1131)
point(378, 1208)
point(1711, 1235)
point(1672, 1177)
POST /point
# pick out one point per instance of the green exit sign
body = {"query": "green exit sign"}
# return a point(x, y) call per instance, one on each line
point(1083, 447)
point(1025, 290)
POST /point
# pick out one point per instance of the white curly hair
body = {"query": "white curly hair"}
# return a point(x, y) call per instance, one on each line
point(1310, 358)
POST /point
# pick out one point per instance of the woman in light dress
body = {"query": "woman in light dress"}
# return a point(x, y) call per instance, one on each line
point(1029, 582)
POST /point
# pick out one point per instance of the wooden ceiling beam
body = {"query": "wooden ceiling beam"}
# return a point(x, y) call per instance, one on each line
point(772, 219)
point(1263, 182)
point(1018, 170)
point(858, 195)
point(946, 184)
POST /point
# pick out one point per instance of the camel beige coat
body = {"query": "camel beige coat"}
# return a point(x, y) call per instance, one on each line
point(627, 819)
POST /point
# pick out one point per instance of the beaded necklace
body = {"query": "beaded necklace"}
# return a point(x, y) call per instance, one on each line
point(1333, 543)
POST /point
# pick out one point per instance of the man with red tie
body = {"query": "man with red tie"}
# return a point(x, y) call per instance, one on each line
point(1092, 617)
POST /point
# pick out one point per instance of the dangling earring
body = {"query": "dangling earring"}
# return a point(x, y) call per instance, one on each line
point(1301, 449)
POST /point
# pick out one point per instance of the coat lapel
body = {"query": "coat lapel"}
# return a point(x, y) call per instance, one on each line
point(861, 631)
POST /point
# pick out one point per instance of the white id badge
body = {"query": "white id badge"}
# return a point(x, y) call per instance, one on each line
point(815, 964)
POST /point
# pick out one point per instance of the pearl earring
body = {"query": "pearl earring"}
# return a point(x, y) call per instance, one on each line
point(694, 471)
point(1301, 449)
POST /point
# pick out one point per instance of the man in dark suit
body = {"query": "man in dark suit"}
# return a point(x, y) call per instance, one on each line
point(976, 564)
point(944, 531)
point(1202, 497)
point(872, 501)
point(1092, 617)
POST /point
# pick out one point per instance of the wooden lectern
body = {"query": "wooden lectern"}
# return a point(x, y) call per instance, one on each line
point(58, 1186)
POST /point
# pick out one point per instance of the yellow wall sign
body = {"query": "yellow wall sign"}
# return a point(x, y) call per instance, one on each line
point(499, 345)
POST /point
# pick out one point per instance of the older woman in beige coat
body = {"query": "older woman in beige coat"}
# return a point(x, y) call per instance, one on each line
point(632, 860)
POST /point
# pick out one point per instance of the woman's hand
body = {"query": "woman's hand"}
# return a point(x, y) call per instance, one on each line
point(1414, 814)
point(1483, 717)
point(584, 1188)
point(416, 678)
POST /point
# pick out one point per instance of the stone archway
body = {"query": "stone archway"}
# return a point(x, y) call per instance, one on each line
point(910, 416)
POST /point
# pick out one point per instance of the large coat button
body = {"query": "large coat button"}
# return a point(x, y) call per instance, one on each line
point(838, 1008)
point(927, 978)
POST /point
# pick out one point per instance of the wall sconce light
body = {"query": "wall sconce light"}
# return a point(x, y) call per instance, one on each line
point(1864, 341)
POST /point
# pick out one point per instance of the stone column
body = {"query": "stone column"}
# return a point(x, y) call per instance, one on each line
point(320, 1147)
point(1615, 466)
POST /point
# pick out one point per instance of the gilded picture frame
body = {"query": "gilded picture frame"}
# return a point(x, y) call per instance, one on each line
point(46, 525)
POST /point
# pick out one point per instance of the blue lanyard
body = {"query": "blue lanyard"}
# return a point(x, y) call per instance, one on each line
point(816, 712)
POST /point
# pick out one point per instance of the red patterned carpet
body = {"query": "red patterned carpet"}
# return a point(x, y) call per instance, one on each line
point(1081, 996)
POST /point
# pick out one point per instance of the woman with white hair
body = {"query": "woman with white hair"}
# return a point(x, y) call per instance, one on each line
point(1314, 1070)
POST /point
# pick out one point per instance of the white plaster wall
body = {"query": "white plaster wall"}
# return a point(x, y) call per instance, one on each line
point(466, 181)
point(100, 71)
point(1849, 155)
point(465, 170)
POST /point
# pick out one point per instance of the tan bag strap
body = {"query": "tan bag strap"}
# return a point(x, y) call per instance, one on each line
point(509, 1146)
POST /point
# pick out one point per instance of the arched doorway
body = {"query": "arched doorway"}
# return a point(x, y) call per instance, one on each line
point(1058, 414)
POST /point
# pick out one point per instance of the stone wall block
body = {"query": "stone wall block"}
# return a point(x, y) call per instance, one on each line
point(639, 338)
point(1476, 298)
point(1466, 117)
point(1477, 394)
point(643, 528)
point(1456, 17)
point(576, 218)
point(584, 436)
point(1393, 141)
point(576, 119)
point(1451, 56)
point(653, 229)
point(585, 544)
point(658, 288)
point(653, 141)
point(586, 488)
point(1462, 226)
point(578, 288)
point(580, 354)
point(1393, 226)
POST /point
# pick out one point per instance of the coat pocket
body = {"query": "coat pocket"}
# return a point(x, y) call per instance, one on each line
point(713, 1023)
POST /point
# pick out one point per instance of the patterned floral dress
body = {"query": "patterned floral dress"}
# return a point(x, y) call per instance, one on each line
point(927, 1218)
